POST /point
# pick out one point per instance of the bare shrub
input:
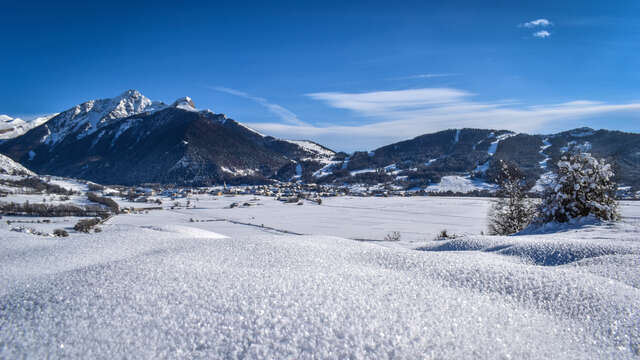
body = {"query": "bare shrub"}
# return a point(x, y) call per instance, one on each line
point(60, 233)
point(392, 236)
point(110, 203)
point(95, 187)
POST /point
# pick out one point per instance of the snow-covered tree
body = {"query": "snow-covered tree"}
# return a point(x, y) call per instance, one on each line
point(583, 186)
point(511, 212)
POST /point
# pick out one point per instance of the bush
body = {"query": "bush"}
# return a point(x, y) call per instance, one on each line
point(583, 186)
point(512, 212)
point(444, 235)
point(85, 225)
point(60, 233)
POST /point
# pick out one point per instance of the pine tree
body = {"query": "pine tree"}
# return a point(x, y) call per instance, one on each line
point(512, 212)
point(583, 186)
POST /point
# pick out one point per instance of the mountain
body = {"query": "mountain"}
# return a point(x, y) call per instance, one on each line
point(10, 167)
point(14, 127)
point(130, 140)
point(469, 156)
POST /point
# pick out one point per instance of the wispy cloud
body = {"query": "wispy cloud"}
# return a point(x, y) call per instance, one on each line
point(278, 110)
point(536, 23)
point(541, 34)
point(395, 115)
point(423, 76)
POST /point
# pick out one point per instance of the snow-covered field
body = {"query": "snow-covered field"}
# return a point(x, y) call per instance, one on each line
point(418, 219)
point(221, 282)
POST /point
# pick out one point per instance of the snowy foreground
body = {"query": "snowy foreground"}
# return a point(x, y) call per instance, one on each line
point(238, 283)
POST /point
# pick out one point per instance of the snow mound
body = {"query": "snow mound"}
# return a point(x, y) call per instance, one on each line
point(132, 293)
point(553, 244)
point(539, 251)
point(187, 231)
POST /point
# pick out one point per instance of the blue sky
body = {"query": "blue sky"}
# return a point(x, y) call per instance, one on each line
point(351, 75)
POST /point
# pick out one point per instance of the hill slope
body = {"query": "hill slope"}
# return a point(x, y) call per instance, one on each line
point(473, 153)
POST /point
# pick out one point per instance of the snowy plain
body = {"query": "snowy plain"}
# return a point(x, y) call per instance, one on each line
point(222, 282)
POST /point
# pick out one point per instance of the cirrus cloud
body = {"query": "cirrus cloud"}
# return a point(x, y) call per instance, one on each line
point(389, 116)
point(278, 110)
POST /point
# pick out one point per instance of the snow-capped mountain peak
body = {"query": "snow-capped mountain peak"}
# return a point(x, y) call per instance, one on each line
point(90, 116)
point(129, 103)
point(185, 103)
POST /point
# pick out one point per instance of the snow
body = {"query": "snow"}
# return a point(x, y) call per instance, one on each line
point(584, 147)
point(92, 115)
point(456, 138)
point(239, 172)
point(460, 184)
point(327, 169)
point(185, 103)
point(298, 174)
point(494, 144)
point(583, 186)
point(542, 182)
point(156, 285)
point(14, 127)
point(10, 167)
point(482, 168)
point(70, 184)
point(313, 148)
point(545, 145)
point(493, 147)
point(345, 164)
point(362, 171)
